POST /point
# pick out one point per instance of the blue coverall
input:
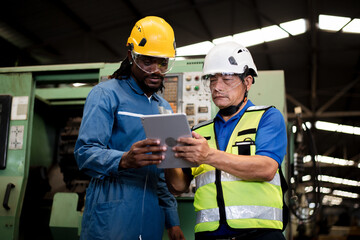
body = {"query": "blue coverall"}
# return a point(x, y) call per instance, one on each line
point(121, 204)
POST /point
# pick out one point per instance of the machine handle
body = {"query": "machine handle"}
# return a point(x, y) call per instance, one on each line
point(7, 195)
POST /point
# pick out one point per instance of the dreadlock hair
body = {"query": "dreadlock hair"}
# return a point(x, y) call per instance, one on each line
point(124, 71)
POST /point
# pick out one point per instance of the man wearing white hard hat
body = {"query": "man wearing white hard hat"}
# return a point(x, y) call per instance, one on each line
point(239, 191)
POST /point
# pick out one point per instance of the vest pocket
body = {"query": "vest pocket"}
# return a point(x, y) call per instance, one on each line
point(243, 148)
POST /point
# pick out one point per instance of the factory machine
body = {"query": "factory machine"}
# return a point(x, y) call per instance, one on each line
point(40, 114)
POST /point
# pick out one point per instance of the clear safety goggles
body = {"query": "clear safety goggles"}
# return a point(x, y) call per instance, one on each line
point(151, 64)
point(221, 82)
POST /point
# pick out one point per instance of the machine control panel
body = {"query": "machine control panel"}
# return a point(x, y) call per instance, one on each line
point(186, 94)
point(195, 99)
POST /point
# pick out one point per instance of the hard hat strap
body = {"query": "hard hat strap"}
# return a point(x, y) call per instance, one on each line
point(233, 109)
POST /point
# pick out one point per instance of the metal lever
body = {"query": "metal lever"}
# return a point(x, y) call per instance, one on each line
point(7, 195)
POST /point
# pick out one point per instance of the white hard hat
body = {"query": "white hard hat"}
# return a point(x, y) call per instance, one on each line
point(229, 57)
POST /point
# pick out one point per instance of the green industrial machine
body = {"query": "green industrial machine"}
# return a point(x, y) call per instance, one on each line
point(40, 128)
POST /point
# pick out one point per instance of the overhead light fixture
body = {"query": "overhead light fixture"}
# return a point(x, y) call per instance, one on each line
point(331, 200)
point(223, 39)
point(334, 127)
point(273, 33)
point(250, 38)
point(78, 84)
point(345, 194)
point(331, 179)
point(322, 189)
point(201, 48)
point(329, 160)
point(312, 205)
point(180, 58)
point(344, 181)
point(332, 23)
point(353, 26)
point(306, 178)
point(295, 27)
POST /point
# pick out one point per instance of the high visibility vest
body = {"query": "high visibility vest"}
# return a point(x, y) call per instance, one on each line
point(223, 198)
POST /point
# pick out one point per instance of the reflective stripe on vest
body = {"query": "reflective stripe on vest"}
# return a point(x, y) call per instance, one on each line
point(240, 212)
point(262, 208)
point(209, 177)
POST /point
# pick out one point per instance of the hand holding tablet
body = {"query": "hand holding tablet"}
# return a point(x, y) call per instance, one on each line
point(168, 128)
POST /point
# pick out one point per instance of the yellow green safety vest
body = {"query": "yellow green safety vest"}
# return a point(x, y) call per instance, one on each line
point(222, 197)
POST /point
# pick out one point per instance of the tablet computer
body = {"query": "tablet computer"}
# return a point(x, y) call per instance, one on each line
point(168, 128)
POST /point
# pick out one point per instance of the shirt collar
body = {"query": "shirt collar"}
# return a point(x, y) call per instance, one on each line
point(136, 88)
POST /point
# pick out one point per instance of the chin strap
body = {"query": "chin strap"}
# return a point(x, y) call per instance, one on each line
point(233, 109)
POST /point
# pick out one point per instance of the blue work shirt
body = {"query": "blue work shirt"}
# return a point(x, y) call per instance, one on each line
point(271, 137)
point(121, 204)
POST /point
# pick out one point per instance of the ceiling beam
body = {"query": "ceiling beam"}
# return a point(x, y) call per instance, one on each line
point(84, 26)
point(297, 103)
point(312, 12)
point(202, 20)
point(133, 9)
point(337, 96)
point(265, 46)
point(26, 41)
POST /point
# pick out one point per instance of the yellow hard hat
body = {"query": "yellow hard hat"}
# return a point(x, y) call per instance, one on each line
point(152, 36)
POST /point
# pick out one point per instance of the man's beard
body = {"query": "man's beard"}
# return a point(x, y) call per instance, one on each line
point(146, 88)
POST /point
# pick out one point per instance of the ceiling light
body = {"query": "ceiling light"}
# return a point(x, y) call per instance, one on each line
point(329, 160)
point(308, 125)
point(223, 39)
point(295, 27)
point(332, 23)
point(334, 127)
point(249, 38)
point(322, 189)
point(272, 33)
point(201, 48)
point(325, 178)
point(331, 200)
point(353, 26)
point(78, 84)
point(180, 58)
point(345, 194)
point(306, 178)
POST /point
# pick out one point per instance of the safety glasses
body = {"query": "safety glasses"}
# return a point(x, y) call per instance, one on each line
point(221, 82)
point(152, 64)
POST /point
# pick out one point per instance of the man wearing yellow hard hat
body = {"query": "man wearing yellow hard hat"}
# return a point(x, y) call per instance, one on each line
point(127, 197)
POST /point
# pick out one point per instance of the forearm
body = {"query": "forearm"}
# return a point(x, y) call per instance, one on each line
point(254, 168)
point(98, 162)
point(176, 180)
